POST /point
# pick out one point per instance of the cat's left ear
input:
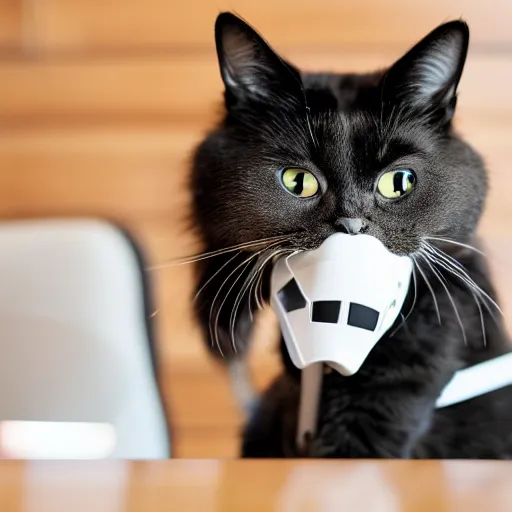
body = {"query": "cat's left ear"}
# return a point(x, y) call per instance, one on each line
point(427, 76)
point(250, 68)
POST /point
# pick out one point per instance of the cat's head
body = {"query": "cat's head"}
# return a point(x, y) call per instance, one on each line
point(309, 154)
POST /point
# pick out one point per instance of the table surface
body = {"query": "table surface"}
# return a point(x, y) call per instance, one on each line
point(231, 485)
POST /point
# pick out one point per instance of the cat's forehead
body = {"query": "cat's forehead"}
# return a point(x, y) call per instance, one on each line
point(369, 138)
point(346, 125)
point(349, 109)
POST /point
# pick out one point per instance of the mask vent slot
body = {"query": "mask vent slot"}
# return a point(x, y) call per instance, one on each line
point(326, 311)
point(362, 317)
point(291, 297)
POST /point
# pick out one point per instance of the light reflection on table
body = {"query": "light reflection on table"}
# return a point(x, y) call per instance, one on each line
point(56, 440)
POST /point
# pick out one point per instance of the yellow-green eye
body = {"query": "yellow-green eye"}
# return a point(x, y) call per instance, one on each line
point(299, 182)
point(395, 184)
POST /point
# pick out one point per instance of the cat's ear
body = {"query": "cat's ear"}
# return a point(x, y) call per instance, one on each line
point(427, 76)
point(250, 69)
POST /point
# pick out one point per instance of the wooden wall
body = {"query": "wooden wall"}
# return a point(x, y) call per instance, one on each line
point(101, 101)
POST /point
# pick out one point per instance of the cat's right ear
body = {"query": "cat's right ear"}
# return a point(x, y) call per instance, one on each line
point(250, 68)
point(427, 76)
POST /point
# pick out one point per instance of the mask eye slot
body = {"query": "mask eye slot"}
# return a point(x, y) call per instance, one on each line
point(291, 297)
point(326, 311)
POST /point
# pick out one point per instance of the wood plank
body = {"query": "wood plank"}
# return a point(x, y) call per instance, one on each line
point(186, 87)
point(127, 173)
point(120, 24)
point(11, 23)
point(120, 87)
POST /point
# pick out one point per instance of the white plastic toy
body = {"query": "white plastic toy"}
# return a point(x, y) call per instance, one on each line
point(336, 302)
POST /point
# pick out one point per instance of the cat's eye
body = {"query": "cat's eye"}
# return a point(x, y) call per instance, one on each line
point(394, 184)
point(299, 182)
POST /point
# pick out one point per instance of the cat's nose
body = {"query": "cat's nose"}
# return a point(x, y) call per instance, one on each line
point(351, 226)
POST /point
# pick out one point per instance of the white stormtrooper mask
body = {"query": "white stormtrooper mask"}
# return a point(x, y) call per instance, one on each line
point(334, 303)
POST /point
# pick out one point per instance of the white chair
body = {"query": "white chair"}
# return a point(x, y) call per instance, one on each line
point(76, 348)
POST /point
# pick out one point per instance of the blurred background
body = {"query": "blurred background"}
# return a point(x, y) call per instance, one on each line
point(101, 102)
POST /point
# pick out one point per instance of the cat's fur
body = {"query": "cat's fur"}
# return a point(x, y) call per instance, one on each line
point(348, 129)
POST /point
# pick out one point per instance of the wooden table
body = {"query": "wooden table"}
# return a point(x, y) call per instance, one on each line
point(225, 486)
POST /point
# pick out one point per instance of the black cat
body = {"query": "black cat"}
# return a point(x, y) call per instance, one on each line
point(299, 156)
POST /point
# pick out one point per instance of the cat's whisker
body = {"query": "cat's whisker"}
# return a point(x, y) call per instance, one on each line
point(243, 291)
point(252, 291)
point(257, 281)
point(244, 264)
point(478, 294)
point(415, 293)
point(427, 282)
point(482, 321)
point(404, 318)
point(238, 300)
point(474, 285)
point(454, 242)
point(475, 297)
point(310, 129)
point(258, 289)
point(216, 273)
point(261, 268)
point(255, 287)
point(450, 298)
point(259, 304)
point(249, 298)
point(214, 339)
point(459, 271)
point(402, 323)
point(218, 252)
point(219, 309)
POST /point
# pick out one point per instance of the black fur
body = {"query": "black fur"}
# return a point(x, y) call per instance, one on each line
point(347, 130)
